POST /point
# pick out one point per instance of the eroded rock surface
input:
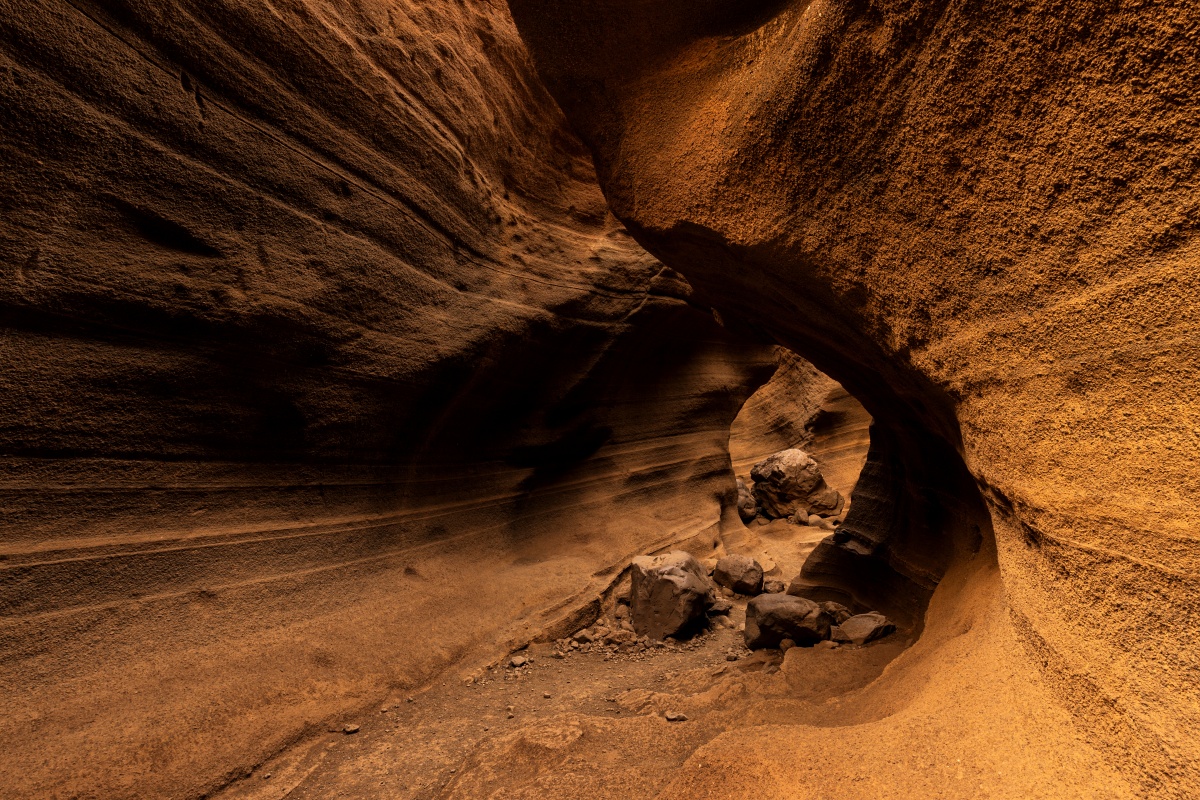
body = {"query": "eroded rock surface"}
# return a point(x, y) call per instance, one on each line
point(308, 311)
point(747, 506)
point(960, 212)
point(739, 573)
point(670, 594)
point(862, 628)
point(772, 618)
point(789, 483)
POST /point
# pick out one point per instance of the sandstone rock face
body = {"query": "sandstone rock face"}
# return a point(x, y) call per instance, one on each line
point(960, 213)
point(790, 482)
point(307, 311)
point(802, 408)
point(771, 618)
point(739, 573)
point(670, 594)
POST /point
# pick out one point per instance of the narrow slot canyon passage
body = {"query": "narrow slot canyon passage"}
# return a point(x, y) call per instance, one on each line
point(394, 392)
point(584, 716)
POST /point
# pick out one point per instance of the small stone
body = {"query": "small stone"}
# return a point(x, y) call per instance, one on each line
point(518, 661)
point(746, 504)
point(785, 645)
point(740, 574)
point(546, 695)
point(266, 776)
point(675, 716)
point(350, 729)
point(510, 715)
point(863, 628)
point(720, 608)
point(836, 610)
point(774, 586)
point(731, 656)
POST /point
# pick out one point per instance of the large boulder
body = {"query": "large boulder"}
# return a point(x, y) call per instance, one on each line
point(771, 618)
point(740, 574)
point(669, 594)
point(790, 482)
point(746, 504)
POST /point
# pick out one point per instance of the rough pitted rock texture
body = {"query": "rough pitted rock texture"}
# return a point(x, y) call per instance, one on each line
point(980, 219)
point(739, 573)
point(670, 594)
point(309, 310)
point(772, 618)
point(790, 482)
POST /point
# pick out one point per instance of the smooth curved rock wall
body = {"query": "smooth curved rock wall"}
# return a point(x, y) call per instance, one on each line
point(979, 218)
point(325, 366)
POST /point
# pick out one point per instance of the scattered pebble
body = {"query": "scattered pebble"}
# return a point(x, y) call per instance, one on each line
point(351, 728)
point(675, 716)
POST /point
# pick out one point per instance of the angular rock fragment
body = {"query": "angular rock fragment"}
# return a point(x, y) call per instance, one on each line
point(746, 505)
point(771, 618)
point(670, 594)
point(740, 574)
point(837, 611)
point(863, 628)
point(790, 482)
point(773, 586)
point(720, 607)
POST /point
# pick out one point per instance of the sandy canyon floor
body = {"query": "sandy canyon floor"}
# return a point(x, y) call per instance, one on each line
point(590, 724)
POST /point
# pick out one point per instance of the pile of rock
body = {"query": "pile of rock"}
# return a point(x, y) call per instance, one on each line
point(784, 620)
point(789, 485)
point(672, 595)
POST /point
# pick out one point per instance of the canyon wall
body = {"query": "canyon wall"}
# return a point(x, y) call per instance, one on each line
point(325, 367)
point(980, 218)
point(801, 407)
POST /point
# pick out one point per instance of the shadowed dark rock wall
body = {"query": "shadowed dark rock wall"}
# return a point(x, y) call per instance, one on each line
point(325, 366)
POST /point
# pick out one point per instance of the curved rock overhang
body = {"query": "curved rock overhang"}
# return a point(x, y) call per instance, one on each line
point(978, 217)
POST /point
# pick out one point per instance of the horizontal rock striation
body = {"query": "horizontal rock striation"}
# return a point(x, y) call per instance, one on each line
point(312, 316)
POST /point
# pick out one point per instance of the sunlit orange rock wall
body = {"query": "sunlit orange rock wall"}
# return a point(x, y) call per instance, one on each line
point(980, 217)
